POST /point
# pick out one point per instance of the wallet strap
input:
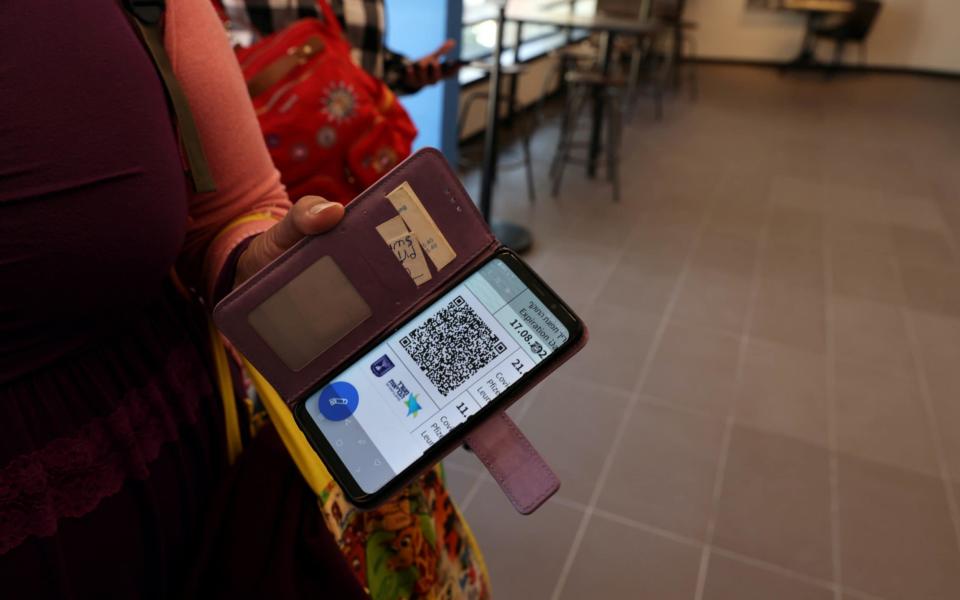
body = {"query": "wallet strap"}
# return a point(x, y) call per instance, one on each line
point(523, 475)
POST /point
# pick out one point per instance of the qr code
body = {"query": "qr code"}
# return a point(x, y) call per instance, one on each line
point(453, 345)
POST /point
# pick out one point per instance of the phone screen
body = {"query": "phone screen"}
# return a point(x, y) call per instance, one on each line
point(385, 410)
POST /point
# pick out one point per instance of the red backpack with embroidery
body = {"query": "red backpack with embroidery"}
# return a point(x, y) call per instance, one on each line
point(331, 128)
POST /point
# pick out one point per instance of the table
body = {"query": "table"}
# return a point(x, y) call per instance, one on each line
point(515, 236)
point(813, 9)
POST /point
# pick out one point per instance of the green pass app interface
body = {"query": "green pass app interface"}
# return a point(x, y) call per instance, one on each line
point(384, 411)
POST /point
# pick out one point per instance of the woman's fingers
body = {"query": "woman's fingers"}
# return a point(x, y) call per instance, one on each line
point(310, 216)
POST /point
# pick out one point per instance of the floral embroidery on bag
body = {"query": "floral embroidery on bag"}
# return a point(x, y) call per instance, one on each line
point(339, 102)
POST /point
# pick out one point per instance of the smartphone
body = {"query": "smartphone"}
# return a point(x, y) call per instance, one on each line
point(448, 67)
point(390, 411)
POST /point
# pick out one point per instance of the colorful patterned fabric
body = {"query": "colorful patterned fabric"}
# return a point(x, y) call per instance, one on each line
point(417, 546)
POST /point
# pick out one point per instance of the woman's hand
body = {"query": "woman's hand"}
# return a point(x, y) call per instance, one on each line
point(310, 216)
point(429, 70)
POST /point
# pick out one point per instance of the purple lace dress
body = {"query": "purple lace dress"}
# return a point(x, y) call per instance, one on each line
point(113, 479)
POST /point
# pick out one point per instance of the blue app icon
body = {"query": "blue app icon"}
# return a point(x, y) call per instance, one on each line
point(338, 401)
point(381, 366)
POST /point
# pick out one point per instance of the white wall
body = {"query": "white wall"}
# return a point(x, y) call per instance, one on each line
point(921, 34)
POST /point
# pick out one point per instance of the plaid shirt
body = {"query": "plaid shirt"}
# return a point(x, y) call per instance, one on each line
point(363, 23)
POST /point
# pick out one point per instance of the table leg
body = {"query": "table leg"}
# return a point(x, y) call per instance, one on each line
point(512, 94)
point(515, 237)
point(596, 127)
point(490, 137)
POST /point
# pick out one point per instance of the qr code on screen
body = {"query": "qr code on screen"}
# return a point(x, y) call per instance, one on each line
point(452, 346)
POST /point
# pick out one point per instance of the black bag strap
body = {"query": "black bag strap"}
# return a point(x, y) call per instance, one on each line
point(146, 16)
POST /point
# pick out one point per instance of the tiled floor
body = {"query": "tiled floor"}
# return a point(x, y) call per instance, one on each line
point(769, 407)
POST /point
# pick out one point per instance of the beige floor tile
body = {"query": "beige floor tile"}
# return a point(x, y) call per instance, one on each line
point(789, 315)
point(939, 346)
point(619, 342)
point(925, 247)
point(797, 265)
point(695, 368)
point(464, 460)
point(577, 274)
point(742, 201)
point(858, 202)
point(866, 276)
point(871, 333)
point(673, 208)
point(713, 299)
point(645, 277)
point(797, 192)
point(716, 291)
point(459, 481)
point(783, 391)
point(664, 470)
point(896, 535)
point(791, 225)
point(913, 211)
point(732, 579)
point(775, 502)
point(881, 417)
point(944, 388)
point(931, 289)
point(646, 292)
point(523, 553)
point(725, 253)
point(555, 426)
point(616, 561)
point(851, 234)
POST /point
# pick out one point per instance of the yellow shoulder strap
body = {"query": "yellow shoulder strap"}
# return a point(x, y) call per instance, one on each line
point(303, 455)
point(297, 445)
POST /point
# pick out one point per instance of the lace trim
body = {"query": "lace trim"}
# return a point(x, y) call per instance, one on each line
point(71, 475)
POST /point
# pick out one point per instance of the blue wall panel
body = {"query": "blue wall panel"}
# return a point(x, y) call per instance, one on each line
point(416, 28)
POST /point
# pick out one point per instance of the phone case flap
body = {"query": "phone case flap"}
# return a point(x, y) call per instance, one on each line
point(351, 285)
point(523, 475)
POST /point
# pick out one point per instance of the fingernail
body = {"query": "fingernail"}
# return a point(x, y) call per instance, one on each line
point(318, 208)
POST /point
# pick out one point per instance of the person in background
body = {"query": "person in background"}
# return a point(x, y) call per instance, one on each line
point(364, 25)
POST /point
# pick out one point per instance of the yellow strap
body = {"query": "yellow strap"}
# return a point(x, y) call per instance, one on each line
point(229, 399)
point(247, 218)
point(307, 461)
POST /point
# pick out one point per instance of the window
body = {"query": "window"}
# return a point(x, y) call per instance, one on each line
point(480, 31)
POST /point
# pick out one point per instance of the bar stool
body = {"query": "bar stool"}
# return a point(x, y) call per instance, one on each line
point(644, 61)
point(565, 60)
point(582, 85)
point(511, 73)
point(683, 44)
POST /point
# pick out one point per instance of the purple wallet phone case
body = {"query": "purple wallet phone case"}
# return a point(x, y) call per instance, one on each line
point(370, 265)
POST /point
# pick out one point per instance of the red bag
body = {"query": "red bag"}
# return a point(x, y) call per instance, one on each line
point(331, 128)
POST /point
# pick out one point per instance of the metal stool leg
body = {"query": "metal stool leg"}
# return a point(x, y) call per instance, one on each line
point(528, 166)
point(692, 68)
point(613, 142)
point(565, 128)
point(633, 82)
point(579, 98)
